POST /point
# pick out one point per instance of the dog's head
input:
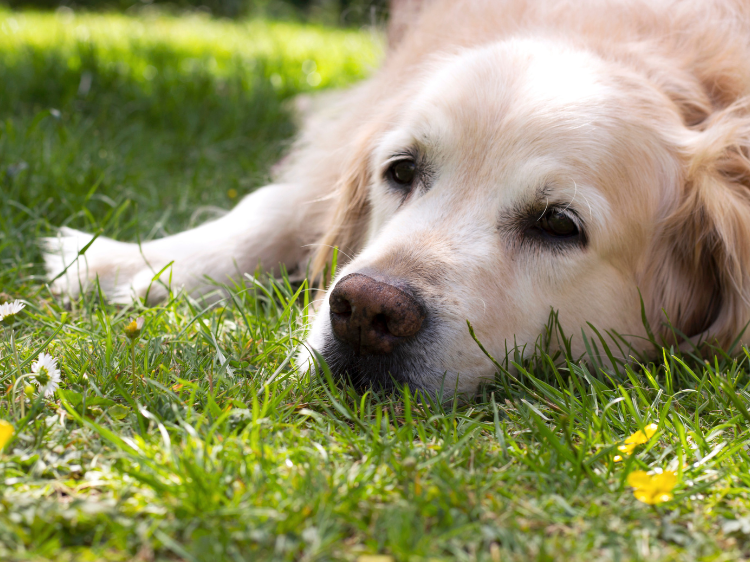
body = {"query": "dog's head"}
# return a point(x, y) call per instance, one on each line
point(516, 178)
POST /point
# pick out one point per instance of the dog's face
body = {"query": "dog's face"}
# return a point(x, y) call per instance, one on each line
point(518, 179)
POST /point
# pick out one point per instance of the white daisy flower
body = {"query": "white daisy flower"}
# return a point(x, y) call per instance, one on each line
point(46, 374)
point(10, 309)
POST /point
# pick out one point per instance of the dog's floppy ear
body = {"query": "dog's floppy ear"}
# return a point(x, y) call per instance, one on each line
point(347, 226)
point(699, 271)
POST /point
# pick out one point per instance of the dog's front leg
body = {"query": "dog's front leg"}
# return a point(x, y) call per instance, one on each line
point(268, 228)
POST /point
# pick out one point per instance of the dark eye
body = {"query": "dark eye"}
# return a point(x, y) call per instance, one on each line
point(402, 172)
point(557, 224)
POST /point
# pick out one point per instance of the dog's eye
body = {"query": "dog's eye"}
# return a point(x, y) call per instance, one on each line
point(402, 172)
point(558, 225)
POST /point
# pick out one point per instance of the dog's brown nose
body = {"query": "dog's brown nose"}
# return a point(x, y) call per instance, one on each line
point(371, 316)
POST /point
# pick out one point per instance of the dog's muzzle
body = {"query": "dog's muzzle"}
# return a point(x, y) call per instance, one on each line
point(373, 317)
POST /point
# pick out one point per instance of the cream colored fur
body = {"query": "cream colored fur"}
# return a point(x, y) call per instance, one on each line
point(633, 114)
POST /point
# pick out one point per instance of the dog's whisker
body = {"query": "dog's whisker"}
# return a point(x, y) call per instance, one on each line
point(543, 212)
point(328, 246)
point(575, 187)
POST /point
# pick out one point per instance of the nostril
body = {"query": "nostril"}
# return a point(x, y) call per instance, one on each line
point(341, 307)
point(380, 324)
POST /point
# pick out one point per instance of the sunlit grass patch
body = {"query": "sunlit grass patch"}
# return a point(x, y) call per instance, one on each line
point(296, 57)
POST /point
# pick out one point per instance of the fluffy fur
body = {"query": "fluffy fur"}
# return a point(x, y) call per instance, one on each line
point(632, 117)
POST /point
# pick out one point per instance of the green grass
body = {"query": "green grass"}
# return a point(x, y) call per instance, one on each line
point(217, 449)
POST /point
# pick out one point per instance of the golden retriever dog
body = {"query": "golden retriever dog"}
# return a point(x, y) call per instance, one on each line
point(510, 158)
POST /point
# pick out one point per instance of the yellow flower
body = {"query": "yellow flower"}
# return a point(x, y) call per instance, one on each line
point(6, 432)
point(638, 438)
point(133, 329)
point(652, 489)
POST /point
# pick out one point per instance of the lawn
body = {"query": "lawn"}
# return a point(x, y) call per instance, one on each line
point(199, 440)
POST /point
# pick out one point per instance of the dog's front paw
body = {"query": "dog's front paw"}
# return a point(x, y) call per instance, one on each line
point(74, 264)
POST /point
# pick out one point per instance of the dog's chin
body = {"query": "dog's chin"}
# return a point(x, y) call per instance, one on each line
point(384, 373)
